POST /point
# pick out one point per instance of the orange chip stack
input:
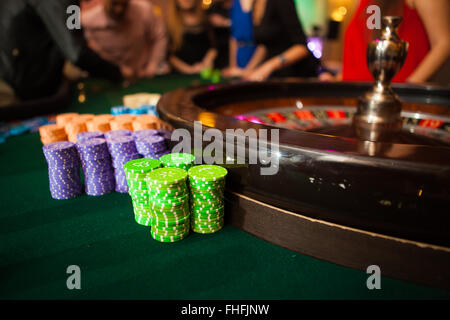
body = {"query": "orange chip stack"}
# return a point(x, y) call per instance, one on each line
point(86, 117)
point(75, 127)
point(52, 133)
point(98, 125)
point(122, 124)
point(64, 118)
point(145, 122)
point(124, 117)
point(104, 117)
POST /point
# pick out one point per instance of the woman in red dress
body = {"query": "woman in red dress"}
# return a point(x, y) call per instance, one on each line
point(425, 27)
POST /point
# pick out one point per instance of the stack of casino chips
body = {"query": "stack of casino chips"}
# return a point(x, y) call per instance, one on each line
point(117, 133)
point(100, 123)
point(122, 122)
point(207, 185)
point(63, 170)
point(64, 118)
point(169, 204)
point(74, 127)
point(122, 150)
point(83, 136)
point(136, 172)
point(183, 161)
point(152, 147)
point(144, 133)
point(51, 133)
point(143, 122)
point(97, 168)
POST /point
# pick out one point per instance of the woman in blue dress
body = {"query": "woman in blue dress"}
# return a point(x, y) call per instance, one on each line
point(244, 54)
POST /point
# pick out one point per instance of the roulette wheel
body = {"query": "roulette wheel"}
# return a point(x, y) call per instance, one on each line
point(341, 192)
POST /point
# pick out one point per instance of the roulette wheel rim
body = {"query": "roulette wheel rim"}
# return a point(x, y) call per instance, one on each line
point(334, 234)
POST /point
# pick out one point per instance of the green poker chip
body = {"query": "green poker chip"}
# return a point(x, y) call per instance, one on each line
point(171, 223)
point(207, 173)
point(144, 221)
point(178, 160)
point(208, 230)
point(164, 177)
point(141, 166)
point(168, 238)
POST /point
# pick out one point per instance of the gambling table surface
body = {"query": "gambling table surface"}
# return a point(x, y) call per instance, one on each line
point(40, 237)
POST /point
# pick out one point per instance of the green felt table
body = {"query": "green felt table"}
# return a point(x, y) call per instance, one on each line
point(40, 237)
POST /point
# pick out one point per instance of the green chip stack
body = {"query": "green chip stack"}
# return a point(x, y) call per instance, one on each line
point(207, 184)
point(136, 172)
point(169, 204)
point(183, 161)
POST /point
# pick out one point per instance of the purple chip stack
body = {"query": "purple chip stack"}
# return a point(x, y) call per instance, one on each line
point(63, 170)
point(117, 133)
point(122, 150)
point(167, 134)
point(97, 168)
point(84, 136)
point(145, 133)
point(152, 147)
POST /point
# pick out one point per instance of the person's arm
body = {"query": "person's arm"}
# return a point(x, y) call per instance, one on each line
point(157, 37)
point(435, 16)
point(233, 52)
point(258, 57)
point(180, 65)
point(71, 42)
point(208, 60)
point(287, 14)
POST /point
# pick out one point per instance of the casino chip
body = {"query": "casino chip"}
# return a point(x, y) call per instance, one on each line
point(207, 185)
point(183, 161)
point(84, 136)
point(136, 172)
point(97, 167)
point(169, 204)
point(51, 133)
point(63, 170)
point(151, 146)
point(122, 150)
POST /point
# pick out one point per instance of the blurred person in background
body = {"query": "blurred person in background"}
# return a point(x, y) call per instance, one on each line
point(425, 26)
point(192, 46)
point(129, 33)
point(278, 29)
point(219, 18)
point(244, 54)
point(35, 42)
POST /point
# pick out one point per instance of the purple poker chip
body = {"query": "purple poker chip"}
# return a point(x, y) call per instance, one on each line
point(145, 133)
point(167, 134)
point(83, 136)
point(117, 133)
point(63, 170)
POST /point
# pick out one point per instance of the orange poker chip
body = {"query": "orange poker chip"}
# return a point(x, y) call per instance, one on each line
point(86, 117)
point(64, 118)
point(121, 125)
point(52, 133)
point(104, 117)
point(98, 125)
point(124, 117)
point(73, 128)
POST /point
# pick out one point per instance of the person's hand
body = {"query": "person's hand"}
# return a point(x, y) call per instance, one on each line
point(127, 72)
point(327, 77)
point(259, 74)
point(232, 72)
point(219, 21)
point(197, 68)
point(147, 73)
